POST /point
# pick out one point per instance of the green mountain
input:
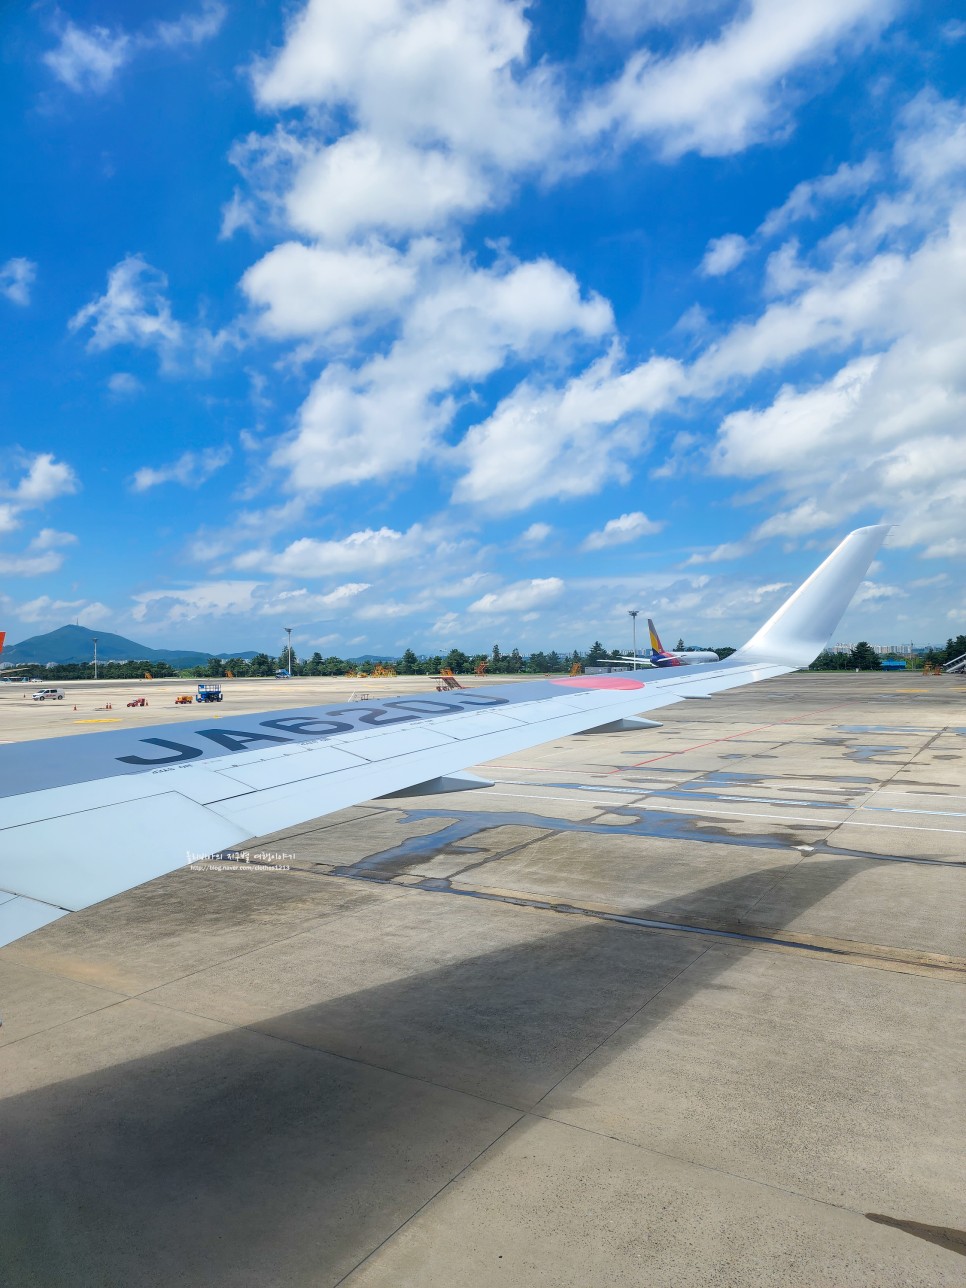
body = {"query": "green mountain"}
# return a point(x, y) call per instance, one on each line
point(73, 644)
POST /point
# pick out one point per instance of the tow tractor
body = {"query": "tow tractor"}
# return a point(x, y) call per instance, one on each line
point(208, 693)
point(138, 702)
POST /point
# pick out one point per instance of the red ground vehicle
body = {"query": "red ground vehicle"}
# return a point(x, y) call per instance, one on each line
point(138, 702)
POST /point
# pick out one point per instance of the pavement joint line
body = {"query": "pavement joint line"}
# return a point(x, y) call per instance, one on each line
point(743, 733)
point(694, 1162)
point(264, 1034)
point(788, 818)
point(70, 1019)
point(397, 893)
point(842, 952)
point(902, 767)
point(649, 793)
point(432, 1198)
point(603, 1042)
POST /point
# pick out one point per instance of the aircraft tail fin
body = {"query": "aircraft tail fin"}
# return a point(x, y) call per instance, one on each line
point(656, 644)
point(801, 628)
point(3, 636)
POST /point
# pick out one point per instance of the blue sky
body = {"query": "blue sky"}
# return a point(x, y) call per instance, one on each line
point(441, 322)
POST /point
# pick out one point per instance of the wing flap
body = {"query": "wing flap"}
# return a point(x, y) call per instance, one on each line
point(80, 859)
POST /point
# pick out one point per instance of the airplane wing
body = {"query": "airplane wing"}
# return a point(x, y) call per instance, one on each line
point(87, 817)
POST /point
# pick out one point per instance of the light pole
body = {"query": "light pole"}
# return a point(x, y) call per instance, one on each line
point(288, 630)
point(94, 642)
point(633, 616)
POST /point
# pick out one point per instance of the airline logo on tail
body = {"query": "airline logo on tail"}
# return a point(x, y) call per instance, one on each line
point(659, 654)
point(3, 636)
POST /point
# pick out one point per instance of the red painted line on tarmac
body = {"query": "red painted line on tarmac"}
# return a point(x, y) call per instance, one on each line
point(742, 733)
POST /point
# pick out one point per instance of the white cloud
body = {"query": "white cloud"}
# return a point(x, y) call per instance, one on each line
point(367, 550)
point(630, 17)
point(803, 520)
point(361, 184)
point(449, 71)
point(552, 443)
point(186, 603)
point(122, 384)
point(620, 531)
point(16, 278)
point(50, 539)
point(86, 59)
point(807, 198)
point(521, 597)
point(20, 565)
point(191, 469)
point(45, 480)
point(308, 290)
point(387, 415)
point(190, 28)
point(536, 533)
point(723, 254)
point(242, 599)
point(133, 310)
point(871, 592)
point(81, 611)
point(719, 97)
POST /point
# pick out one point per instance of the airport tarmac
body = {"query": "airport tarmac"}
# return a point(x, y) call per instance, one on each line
point(671, 1008)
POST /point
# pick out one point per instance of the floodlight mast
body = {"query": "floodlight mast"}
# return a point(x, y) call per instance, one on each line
point(94, 642)
point(288, 630)
point(632, 612)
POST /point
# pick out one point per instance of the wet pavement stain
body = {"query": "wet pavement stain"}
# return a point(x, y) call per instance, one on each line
point(643, 823)
point(869, 751)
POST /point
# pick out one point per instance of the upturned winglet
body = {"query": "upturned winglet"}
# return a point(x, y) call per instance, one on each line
point(801, 628)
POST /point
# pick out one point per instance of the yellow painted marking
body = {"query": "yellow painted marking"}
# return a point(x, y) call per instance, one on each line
point(108, 720)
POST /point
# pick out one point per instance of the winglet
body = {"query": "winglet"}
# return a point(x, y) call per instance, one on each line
point(801, 628)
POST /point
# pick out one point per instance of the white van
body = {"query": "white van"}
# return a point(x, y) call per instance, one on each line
point(43, 694)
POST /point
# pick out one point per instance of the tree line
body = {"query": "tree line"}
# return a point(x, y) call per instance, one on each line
point(496, 662)
point(863, 657)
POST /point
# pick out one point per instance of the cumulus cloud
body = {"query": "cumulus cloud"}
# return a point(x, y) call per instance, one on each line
point(536, 533)
point(16, 278)
point(86, 59)
point(366, 550)
point(734, 89)
point(723, 254)
point(308, 290)
point(385, 416)
point(45, 480)
point(620, 531)
point(191, 469)
point(243, 599)
point(135, 310)
point(50, 539)
point(545, 443)
point(27, 565)
point(521, 597)
point(84, 612)
point(122, 384)
point(810, 196)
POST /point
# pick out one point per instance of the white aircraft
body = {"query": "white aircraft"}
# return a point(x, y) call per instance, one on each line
point(83, 818)
point(660, 656)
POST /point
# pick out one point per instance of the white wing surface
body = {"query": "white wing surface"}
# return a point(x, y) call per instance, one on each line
point(84, 818)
